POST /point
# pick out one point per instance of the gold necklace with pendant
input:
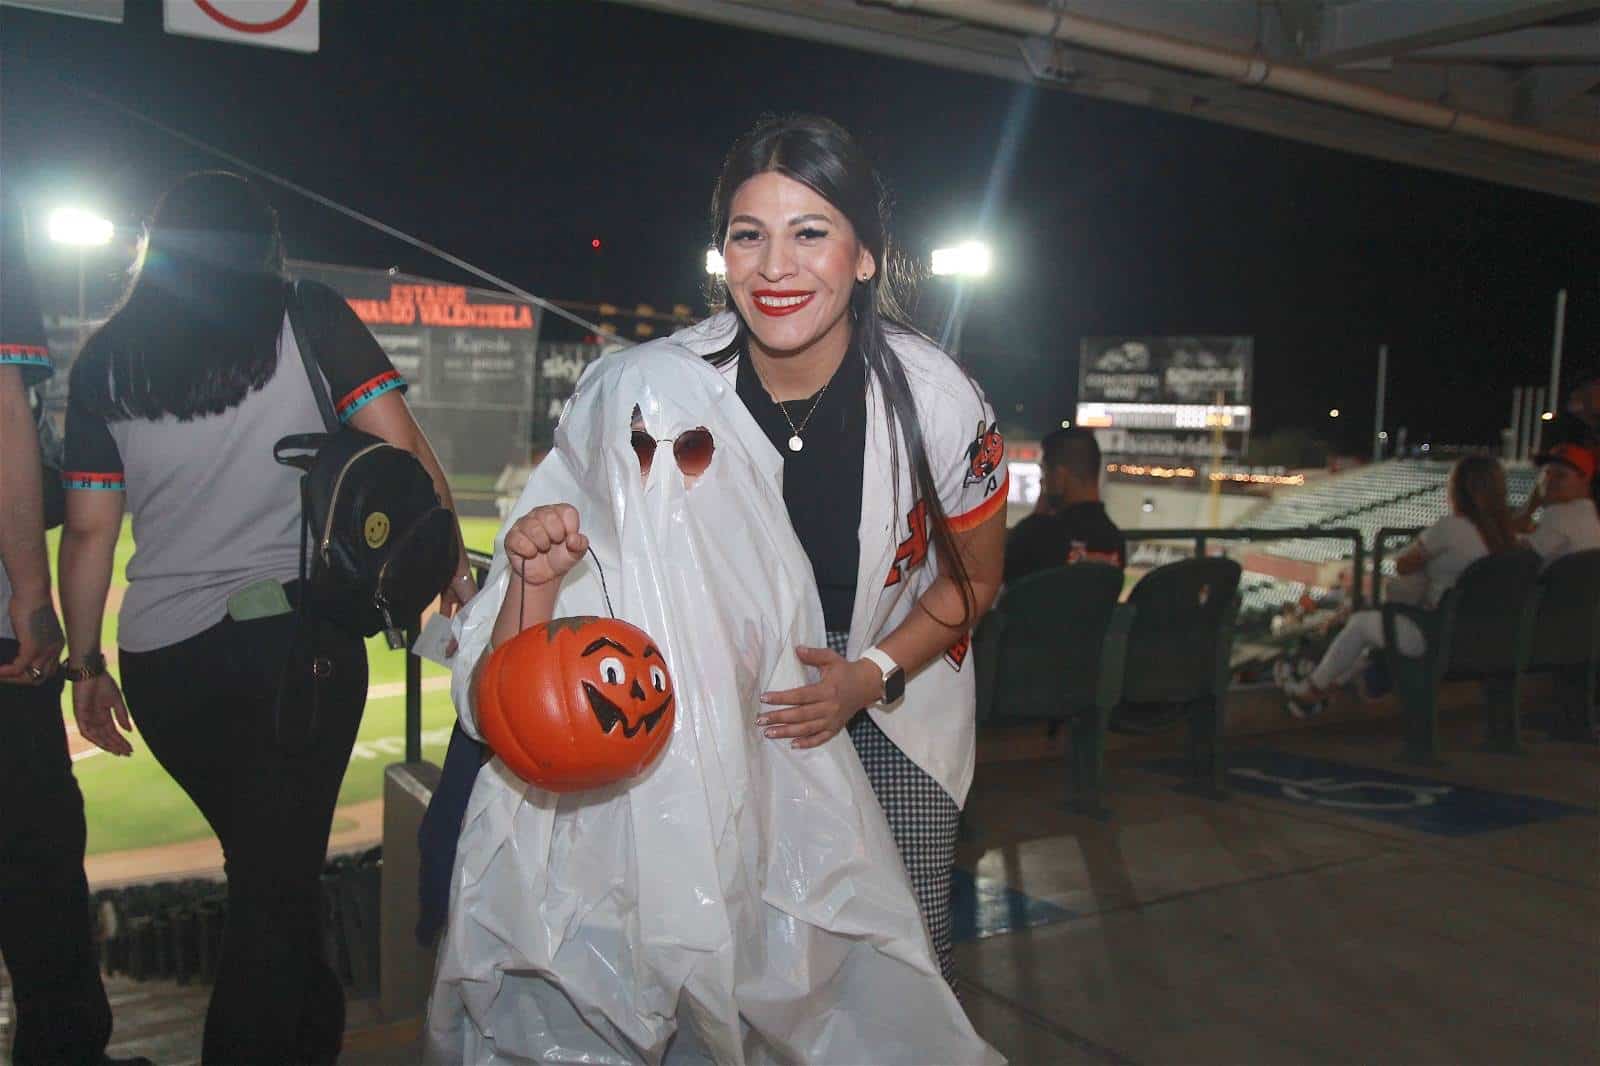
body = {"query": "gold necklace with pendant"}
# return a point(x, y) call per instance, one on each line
point(796, 442)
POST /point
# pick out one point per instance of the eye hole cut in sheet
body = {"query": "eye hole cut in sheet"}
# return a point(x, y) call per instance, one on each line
point(740, 901)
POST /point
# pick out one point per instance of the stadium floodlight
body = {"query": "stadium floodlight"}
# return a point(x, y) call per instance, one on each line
point(1548, 416)
point(714, 264)
point(1333, 413)
point(970, 259)
point(75, 226)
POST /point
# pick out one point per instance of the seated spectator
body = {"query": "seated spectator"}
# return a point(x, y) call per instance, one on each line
point(1570, 522)
point(1580, 423)
point(1069, 524)
point(1479, 523)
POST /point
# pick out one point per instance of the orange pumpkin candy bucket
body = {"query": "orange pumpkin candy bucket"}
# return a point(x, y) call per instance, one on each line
point(576, 703)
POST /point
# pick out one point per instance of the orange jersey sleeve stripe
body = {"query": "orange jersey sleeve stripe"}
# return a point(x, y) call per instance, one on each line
point(985, 510)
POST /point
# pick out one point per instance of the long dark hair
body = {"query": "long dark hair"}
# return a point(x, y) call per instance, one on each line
point(1478, 494)
point(197, 329)
point(821, 155)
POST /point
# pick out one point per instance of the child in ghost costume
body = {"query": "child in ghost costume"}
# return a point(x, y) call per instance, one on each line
point(740, 901)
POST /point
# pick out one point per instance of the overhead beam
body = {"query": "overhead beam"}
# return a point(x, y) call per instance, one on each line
point(1375, 29)
point(1230, 23)
point(863, 29)
point(1542, 44)
point(1540, 93)
point(949, 43)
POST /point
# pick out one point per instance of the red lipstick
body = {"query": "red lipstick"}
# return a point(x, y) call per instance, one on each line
point(775, 303)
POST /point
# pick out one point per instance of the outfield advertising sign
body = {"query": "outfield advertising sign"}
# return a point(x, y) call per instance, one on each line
point(468, 356)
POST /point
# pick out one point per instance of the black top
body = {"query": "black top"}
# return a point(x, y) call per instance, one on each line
point(1079, 532)
point(822, 481)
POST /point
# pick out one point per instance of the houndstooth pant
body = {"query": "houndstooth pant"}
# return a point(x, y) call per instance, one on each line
point(922, 817)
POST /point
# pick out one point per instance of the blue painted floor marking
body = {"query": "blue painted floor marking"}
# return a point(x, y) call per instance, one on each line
point(982, 907)
point(1422, 804)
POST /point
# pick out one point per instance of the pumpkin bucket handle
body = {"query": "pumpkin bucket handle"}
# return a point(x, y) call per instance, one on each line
point(522, 593)
point(602, 572)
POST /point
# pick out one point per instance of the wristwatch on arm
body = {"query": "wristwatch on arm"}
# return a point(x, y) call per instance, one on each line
point(894, 677)
point(94, 664)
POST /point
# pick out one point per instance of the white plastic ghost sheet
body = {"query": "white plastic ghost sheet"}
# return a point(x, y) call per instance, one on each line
point(739, 902)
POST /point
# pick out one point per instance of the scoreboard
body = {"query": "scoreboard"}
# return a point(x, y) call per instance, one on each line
point(1166, 398)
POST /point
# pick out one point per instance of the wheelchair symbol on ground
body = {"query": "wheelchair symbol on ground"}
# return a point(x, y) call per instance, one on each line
point(1330, 792)
point(1416, 803)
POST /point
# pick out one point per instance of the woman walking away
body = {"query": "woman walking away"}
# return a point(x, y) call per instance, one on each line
point(175, 405)
point(1479, 524)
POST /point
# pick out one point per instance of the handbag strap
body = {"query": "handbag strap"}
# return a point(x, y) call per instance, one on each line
point(302, 340)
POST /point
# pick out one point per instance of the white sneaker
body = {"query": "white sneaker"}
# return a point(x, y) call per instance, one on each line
point(1303, 703)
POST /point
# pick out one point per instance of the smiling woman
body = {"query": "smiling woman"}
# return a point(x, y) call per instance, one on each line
point(681, 886)
point(793, 261)
point(894, 477)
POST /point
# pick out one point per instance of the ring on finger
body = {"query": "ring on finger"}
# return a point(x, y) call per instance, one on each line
point(35, 673)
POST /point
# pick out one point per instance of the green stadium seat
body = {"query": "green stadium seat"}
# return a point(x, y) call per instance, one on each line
point(1051, 650)
point(1481, 631)
point(1566, 638)
point(1178, 651)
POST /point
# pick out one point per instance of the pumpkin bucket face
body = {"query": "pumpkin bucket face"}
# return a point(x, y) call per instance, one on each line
point(576, 703)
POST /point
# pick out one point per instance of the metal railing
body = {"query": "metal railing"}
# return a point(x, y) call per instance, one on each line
point(480, 570)
point(1380, 547)
point(1201, 539)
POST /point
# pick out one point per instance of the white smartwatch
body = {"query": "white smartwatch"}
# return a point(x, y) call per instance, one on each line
point(894, 677)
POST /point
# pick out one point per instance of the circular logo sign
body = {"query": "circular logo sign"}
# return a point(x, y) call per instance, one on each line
point(238, 25)
point(376, 529)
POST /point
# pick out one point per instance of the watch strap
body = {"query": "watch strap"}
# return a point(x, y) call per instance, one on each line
point(94, 665)
point(885, 663)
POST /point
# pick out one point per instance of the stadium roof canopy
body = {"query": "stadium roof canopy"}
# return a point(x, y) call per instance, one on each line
point(1503, 90)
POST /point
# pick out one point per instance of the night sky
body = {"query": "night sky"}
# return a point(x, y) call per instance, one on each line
point(513, 134)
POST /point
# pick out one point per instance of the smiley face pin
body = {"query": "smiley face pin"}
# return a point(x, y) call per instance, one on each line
point(376, 529)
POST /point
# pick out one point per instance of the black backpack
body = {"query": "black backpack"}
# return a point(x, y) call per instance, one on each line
point(381, 545)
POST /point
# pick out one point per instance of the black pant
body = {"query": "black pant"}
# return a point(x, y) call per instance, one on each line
point(62, 1013)
point(256, 721)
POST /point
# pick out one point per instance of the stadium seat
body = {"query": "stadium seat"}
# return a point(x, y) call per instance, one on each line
point(1178, 653)
point(1481, 631)
point(1051, 650)
point(1566, 638)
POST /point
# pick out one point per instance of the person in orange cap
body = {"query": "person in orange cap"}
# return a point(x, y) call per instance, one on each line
point(1569, 522)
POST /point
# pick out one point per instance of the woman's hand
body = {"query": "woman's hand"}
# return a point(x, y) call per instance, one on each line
point(98, 707)
point(814, 713)
point(545, 543)
point(39, 641)
point(457, 593)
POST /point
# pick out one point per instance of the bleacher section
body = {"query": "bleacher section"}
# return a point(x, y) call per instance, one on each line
point(1258, 593)
point(1405, 492)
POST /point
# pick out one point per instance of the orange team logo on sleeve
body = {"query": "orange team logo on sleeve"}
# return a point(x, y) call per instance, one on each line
point(914, 549)
point(956, 654)
point(985, 454)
